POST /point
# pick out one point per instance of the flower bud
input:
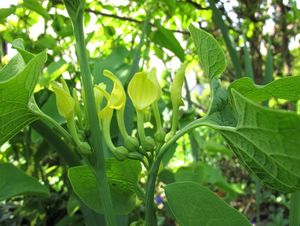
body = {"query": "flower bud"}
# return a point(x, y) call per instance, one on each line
point(64, 101)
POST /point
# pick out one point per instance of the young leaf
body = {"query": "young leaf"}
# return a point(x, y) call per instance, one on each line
point(193, 204)
point(123, 178)
point(15, 182)
point(233, 53)
point(286, 88)
point(211, 55)
point(15, 93)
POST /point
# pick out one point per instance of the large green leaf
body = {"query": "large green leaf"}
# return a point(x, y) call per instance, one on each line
point(16, 89)
point(211, 55)
point(15, 182)
point(195, 205)
point(285, 88)
point(266, 141)
point(166, 39)
point(123, 179)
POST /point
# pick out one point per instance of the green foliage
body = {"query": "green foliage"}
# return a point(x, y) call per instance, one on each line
point(35, 5)
point(201, 206)
point(166, 39)
point(285, 88)
point(126, 38)
point(18, 78)
point(14, 182)
point(123, 178)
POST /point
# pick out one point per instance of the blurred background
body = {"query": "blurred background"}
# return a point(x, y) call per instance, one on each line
point(261, 40)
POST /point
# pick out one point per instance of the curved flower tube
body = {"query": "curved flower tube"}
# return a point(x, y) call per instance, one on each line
point(160, 132)
point(106, 116)
point(117, 101)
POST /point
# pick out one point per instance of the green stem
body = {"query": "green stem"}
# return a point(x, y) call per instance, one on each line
point(95, 138)
point(295, 209)
point(149, 213)
point(150, 189)
point(146, 142)
point(68, 138)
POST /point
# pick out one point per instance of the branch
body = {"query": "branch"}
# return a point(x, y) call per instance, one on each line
point(129, 19)
point(196, 5)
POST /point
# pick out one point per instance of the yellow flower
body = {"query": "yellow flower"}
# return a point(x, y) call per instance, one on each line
point(117, 98)
point(143, 90)
point(64, 101)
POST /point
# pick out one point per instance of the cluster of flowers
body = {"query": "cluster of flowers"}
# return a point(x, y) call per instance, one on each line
point(144, 91)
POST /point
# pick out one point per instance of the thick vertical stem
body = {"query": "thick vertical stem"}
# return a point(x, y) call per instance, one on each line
point(95, 139)
point(150, 213)
point(295, 209)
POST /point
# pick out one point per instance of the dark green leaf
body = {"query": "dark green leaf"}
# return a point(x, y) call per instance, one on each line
point(14, 182)
point(165, 38)
point(201, 206)
point(5, 12)
point(36, 6)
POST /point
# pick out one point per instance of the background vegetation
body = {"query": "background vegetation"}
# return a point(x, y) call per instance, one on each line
point(262, 42)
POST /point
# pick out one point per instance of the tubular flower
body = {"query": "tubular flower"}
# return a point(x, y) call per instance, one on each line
point(105, 116)
point(117, 98)
point(143, 90)
point(64, 101)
